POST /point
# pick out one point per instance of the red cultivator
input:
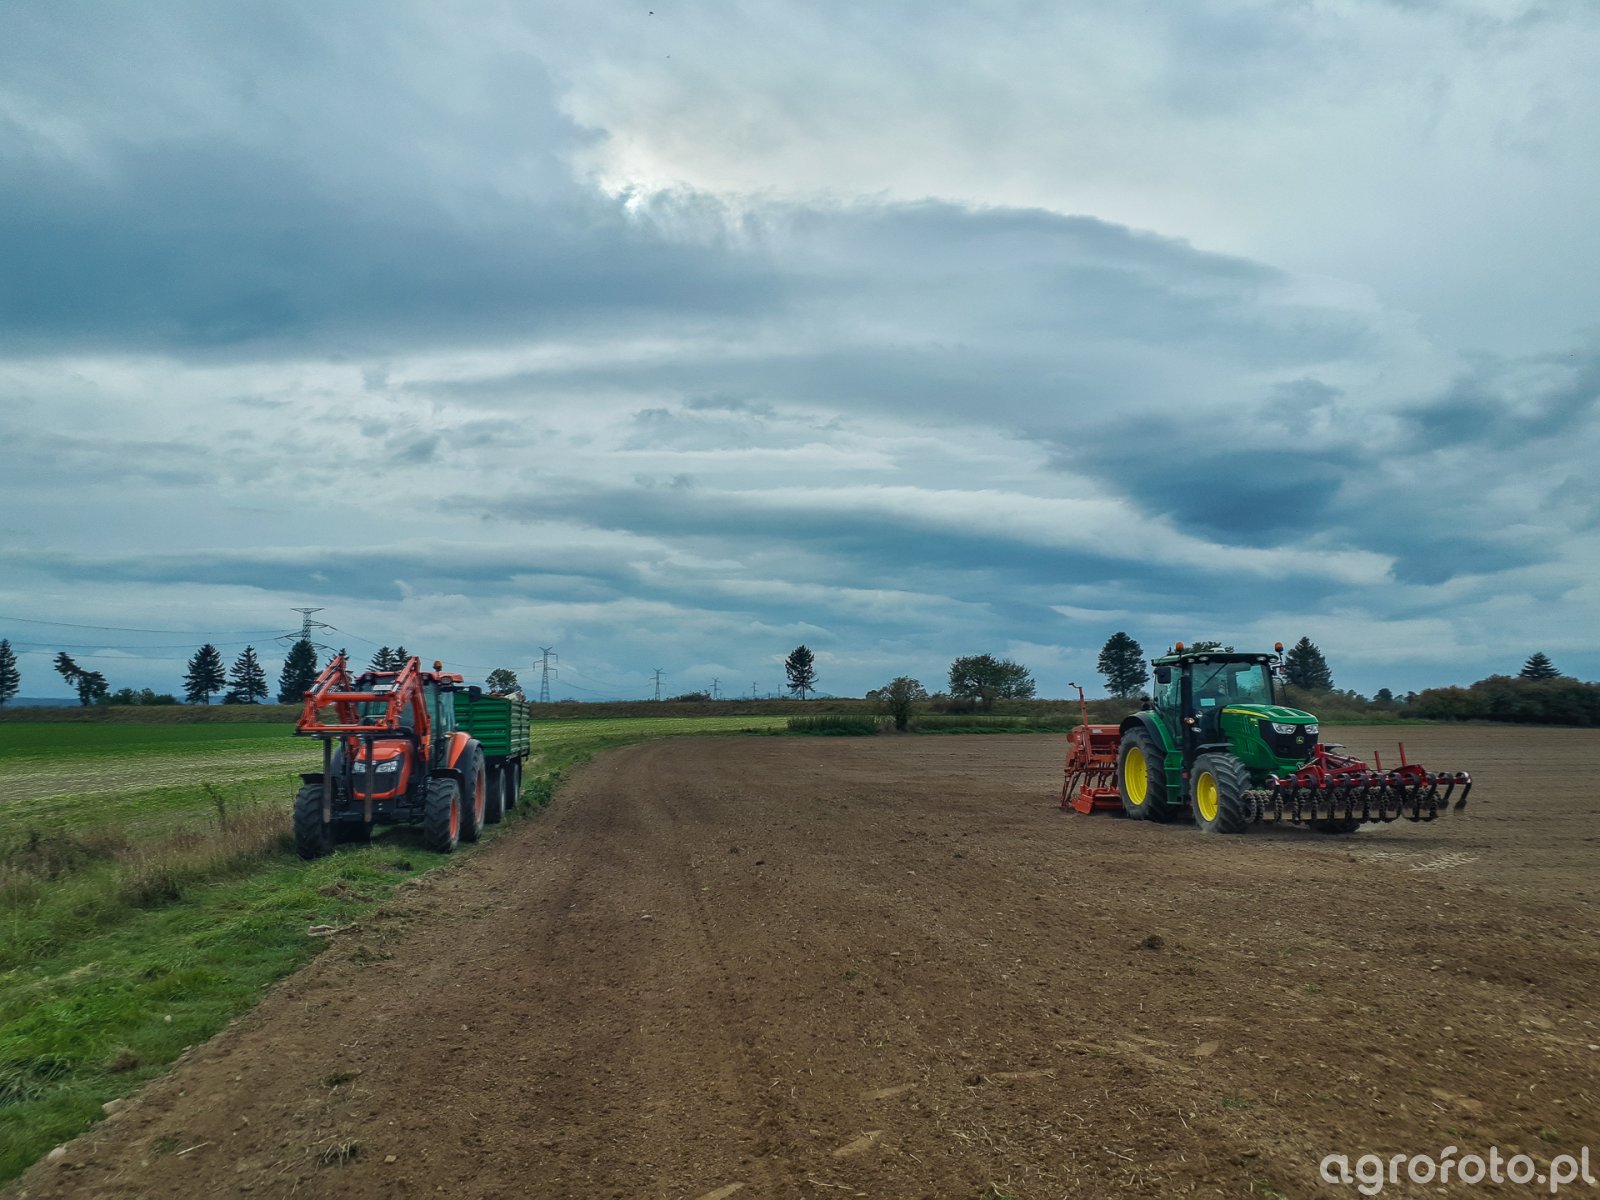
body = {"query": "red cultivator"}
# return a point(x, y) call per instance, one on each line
point(1335, 787)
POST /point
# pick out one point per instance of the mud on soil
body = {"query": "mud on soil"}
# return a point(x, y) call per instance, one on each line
point(892, 967)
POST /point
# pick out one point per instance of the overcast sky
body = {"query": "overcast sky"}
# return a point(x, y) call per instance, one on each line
point(672, 335)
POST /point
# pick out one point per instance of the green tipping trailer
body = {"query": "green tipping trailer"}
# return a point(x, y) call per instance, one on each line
point(500, 726)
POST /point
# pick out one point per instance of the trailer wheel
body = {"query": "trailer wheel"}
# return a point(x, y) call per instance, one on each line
point(1217, 788)
point(313, 837)
point(476, 800)
point(513, 783)
point(441, 815)
point(1141, 778)
point(494, 805)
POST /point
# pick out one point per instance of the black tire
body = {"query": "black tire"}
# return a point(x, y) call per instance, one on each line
point(475, 796)
point(441, 815)
point(494, 805)
point(1147, 802)
point(513, 783)
point(313, 837)
point(1218, 784)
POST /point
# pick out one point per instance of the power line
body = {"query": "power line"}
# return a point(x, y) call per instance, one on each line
point(201, 633)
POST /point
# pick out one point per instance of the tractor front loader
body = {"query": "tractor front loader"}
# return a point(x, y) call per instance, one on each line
point(1214, 744)
point(391, 754)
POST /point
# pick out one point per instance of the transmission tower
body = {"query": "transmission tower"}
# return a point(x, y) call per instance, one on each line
point(546, 669)
point(307, 625)
point(658, 683)
point(714, 683)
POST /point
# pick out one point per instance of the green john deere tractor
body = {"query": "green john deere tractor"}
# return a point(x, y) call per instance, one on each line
point(1215, 744)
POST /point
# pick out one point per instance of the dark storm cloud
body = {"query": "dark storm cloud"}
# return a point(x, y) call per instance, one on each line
point(188, 236)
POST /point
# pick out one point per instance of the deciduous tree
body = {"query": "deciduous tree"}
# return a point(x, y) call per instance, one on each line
point(503, 681)
point(899, 694)
point(987, 679)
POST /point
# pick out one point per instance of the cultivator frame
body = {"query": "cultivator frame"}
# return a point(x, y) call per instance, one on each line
point(1336, 787)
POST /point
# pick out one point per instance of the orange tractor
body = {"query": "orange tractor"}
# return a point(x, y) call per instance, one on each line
point(1215, 745)
point(392, 753)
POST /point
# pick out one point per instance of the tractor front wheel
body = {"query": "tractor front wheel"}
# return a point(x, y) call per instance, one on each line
point(441, 815)
point(313, 837)
point(1217, 787)
point(1141, 777)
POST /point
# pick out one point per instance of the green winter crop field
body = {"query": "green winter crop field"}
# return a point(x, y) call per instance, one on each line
point(149, 892)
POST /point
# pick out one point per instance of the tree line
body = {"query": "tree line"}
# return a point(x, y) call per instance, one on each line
point(245, 682)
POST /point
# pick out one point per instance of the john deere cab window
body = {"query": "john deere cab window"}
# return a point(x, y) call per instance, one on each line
point(1220, 684)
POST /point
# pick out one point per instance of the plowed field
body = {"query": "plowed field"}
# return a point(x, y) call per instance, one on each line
point(892, 967)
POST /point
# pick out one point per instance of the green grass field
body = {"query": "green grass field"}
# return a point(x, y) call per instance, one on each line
point(149, 892)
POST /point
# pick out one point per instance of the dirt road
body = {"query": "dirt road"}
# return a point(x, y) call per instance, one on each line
point(893, 968)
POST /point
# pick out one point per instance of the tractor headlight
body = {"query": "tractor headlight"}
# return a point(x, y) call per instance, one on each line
point(1286, 730)
point(387, 767)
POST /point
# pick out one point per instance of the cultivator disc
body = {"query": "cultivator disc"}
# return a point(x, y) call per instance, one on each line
point(1336, 788)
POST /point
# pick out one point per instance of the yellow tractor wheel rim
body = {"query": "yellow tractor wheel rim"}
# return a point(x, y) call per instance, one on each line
point(1134, 776)
point(1205, 796)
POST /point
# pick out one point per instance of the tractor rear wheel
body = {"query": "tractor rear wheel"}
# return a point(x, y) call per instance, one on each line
point(494, 806)
point(1217, 787)
point(475, 802)
point(441, 815)
point(1141, 778)
point(313, 837)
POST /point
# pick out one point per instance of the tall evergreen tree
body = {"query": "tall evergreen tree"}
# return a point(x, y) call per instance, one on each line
point(1539, 666)
point(10, 677)
point(398, 657)
point(1122, 663)
point(248, 682)
point(1306, 668)
point(801, 668)
point(383, 660)
point(205, 676)
point(298, 674)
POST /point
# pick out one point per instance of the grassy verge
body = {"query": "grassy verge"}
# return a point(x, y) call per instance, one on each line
point(137, 921)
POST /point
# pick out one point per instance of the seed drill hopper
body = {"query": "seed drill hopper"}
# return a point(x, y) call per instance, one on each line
point(1214, 744)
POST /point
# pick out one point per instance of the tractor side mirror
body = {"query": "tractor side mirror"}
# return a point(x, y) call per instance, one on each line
point(474, 693)
point(1163, 675)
